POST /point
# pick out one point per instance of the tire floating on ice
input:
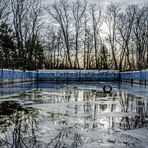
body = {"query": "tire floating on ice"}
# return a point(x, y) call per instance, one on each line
point(107, 88)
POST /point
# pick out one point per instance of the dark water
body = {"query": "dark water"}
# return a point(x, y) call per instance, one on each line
point(74, 115)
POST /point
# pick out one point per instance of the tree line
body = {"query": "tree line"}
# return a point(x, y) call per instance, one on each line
point(73, 35)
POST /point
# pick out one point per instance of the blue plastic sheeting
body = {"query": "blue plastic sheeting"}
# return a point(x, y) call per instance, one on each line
point(73, 75)
point(142, 76)
point(126, 76)
point(16, 75)
point(135, 75)
point(92, 75)
point(62, 75)
point(44, 76)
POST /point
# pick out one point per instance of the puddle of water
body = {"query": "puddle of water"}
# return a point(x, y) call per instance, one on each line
point(74, 115)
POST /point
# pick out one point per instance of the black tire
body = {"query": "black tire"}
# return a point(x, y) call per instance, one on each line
point(107, 88)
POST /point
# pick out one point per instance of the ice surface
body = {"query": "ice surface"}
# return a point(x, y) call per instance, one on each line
point(79, 115)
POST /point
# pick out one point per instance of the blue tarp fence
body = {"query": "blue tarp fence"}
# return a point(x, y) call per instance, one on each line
point(135, 75)
point(14, 75)
point(77, 75)
point(72, 75)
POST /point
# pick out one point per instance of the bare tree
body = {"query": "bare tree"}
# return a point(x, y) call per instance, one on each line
point(26, 24)
point(125, 27)
point(32, 28)
point(60, 13)
point(4, 10)
point(19, 9)
point(75, 39)
point(78, 11)
point(96, 25)
point(141, 36)
point(111, 19)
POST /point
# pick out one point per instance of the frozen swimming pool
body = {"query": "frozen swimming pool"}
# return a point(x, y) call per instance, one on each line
point(74, 115)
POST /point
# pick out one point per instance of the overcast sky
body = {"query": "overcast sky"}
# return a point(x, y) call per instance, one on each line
point(123, 3)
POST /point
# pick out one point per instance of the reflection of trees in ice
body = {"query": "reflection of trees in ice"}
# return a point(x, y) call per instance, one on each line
point(20, 130)
point(133, 122)
point(72, 118)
